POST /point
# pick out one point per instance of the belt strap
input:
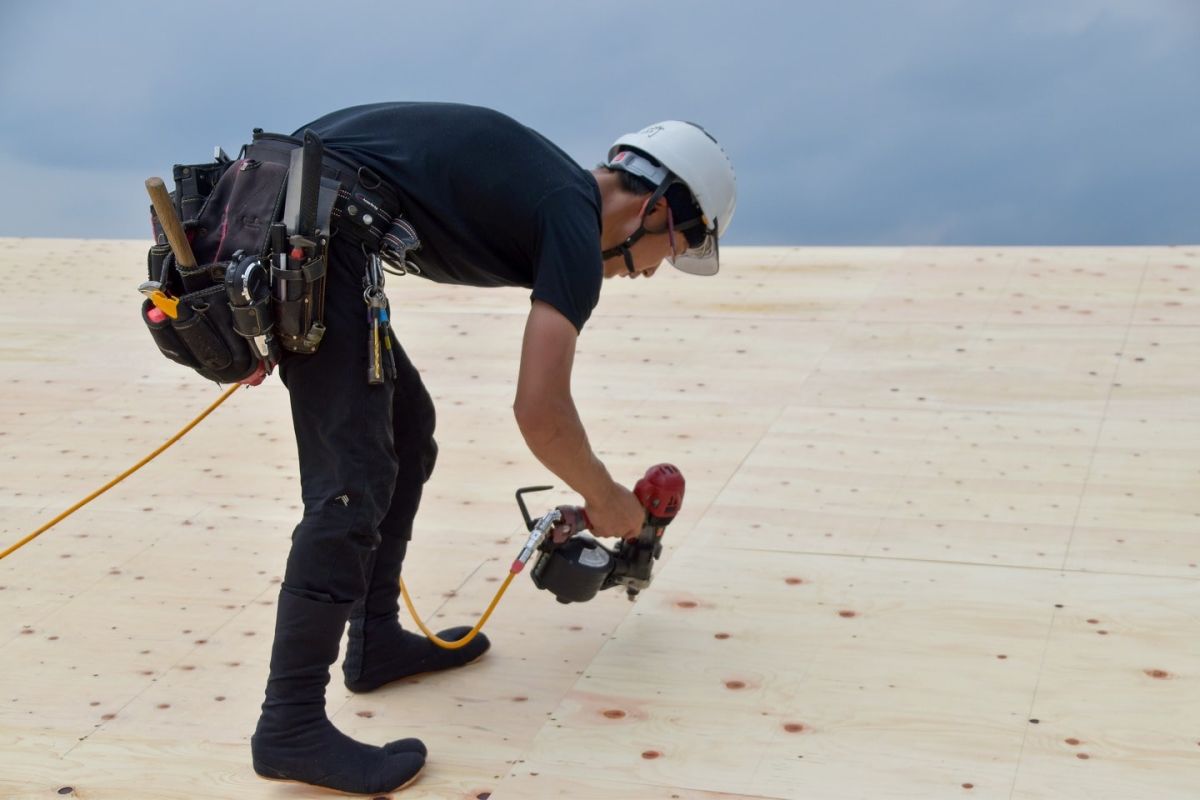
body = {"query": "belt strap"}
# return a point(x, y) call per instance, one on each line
point(367, 209)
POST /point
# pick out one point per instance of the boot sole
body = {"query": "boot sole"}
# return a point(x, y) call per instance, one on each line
point(419, 674)
point(341, 792)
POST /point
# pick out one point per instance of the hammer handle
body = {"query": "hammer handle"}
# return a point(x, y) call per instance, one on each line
point(165, 210)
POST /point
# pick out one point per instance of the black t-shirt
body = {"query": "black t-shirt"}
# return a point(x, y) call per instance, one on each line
point(494, 202)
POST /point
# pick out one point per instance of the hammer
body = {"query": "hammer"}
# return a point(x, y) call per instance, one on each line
point(164, 209)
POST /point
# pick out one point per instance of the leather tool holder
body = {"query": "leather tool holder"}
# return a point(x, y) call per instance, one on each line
point(299, 292)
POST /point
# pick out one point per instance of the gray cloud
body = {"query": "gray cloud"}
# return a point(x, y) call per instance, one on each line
point(934, 121)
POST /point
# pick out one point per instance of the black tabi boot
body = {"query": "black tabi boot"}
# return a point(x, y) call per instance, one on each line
point(294, 739)
point(379, 650)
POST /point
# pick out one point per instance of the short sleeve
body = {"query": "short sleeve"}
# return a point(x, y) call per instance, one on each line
point(567, 266)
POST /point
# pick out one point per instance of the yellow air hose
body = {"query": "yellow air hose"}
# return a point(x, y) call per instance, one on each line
point(463, 642)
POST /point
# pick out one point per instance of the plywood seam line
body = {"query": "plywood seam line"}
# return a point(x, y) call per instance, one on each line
point(962, 409)
point(879, 323)
point(662, 315)
point(1003, 293)
point(575, 685)
point(851, 318)
point(618, 783)
point(1016, 770)
point(146, 460)
point(682, 540)
point(1087, 476)
point(38, 532)
point(454, 593)
point(470, 636)
point(1074, 525)
point(461, 585)
point(956, 408)
point(980, 564)
point(843, 327)
point(81, 590)
point(185, 656)
point(901, 484)
point(915, 654)
point(902, 258)
point(154, 681)
point(1005, 324)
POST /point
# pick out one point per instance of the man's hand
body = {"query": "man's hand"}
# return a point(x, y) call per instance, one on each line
point(618, 514)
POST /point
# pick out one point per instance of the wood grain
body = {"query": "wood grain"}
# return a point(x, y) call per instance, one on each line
point(938, 539)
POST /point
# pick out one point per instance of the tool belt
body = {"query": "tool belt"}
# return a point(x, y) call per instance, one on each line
point(260, 227)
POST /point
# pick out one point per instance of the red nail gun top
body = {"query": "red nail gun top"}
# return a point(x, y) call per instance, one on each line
point(660, 491)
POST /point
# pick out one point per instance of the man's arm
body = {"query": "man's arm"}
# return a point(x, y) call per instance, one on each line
point(552, 429)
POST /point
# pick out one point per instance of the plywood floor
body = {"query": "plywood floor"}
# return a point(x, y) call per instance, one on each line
point(940, 538)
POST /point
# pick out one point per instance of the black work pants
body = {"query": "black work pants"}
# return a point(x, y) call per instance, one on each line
point(365, 451)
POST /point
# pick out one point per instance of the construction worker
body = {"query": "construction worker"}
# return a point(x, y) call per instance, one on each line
point(494, 204)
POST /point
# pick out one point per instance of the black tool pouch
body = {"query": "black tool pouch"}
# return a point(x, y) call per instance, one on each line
point(258, 285)
point(203, 335)
point(228, 208)
point(195, 182)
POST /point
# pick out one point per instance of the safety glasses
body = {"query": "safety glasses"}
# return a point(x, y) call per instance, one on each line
point(670, 227)
point(702, 256)
point(693, 245)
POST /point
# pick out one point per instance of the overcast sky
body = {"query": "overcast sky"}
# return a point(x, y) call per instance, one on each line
point(851, 122)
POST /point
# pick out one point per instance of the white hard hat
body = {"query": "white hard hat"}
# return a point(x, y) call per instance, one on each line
point(691, 156)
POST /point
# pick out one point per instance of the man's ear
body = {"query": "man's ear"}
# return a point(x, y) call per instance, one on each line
point(658, 210)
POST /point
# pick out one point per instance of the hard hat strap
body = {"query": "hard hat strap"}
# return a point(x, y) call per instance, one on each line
point(623, 248)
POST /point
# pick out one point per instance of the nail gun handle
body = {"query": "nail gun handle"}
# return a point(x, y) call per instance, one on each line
point(572, 520)
point(164, 209)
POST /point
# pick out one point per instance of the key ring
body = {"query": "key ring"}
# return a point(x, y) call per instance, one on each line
point(374, 297)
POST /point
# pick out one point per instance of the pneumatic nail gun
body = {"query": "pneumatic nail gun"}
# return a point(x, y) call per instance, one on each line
point(574, 566)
